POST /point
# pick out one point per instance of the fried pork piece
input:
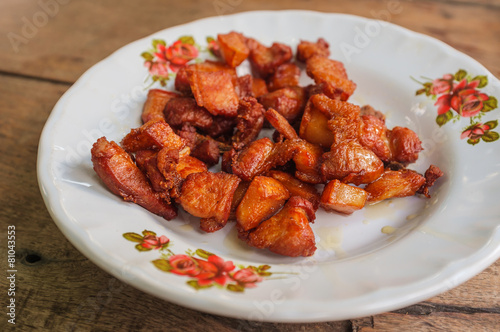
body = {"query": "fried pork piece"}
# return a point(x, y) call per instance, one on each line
point(263, 198)
point(209, 196)
point(431, 175)
point(147, 162)
point(400, 183)
point(259, 87)
point(308, 158)
point(288, 232)
point(350, 162)
point(264, 60)
point(372, 135)
point(252, 160)
point(249, 122)
point(345, 120)
point(261, 156)
point(289, 102)
point(238, 195)
point(155, 104)
point(280, 123)
point(343, 198)
point(184, 110)
point(244, 86)
point(287, 74)
point(119, 173)
point(233, 48)
point(214, 91)
point(155, 134)
point(332, 75)
point(167, 160)
point(307, 49)
point(182, 81)
point(368, 110)
point(328, 121)
point(188, 165)
point(297, 187)
point(404, 144)
point(207, 150)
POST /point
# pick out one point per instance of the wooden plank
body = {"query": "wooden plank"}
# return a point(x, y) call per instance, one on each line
point(74, 36)
point(440, 321)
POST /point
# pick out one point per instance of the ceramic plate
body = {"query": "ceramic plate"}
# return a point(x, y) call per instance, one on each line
point(384, 257)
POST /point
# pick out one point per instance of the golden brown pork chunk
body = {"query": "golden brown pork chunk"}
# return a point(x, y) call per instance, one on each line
point(262, 199)
point(287, 74)
point(288, 232)
point(253, 160)
point(188, 165)
point(184, 110)
point(209, 196)
point(372, 135)
point(214, 91)
point(289, 102)
point(404, 144)
point(182, 81)
point(280, 123)
point(264, 60)
point(297, 187)
point(307, 49)
point(332, 75)
point(233, 48)
point(431, 175)
point(153, 135)
point(402, 183)
point(343, 198)
point(155, 104)
point(248, 123)
point(308, 158)
point(314, 125)
point(119, 173)
point(349, 162)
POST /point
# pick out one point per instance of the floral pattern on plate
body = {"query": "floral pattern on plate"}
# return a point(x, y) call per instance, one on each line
point(204, 268)
point(459, 96)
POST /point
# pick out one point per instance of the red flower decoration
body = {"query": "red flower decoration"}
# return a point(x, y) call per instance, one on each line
point(162, 61)
point(154, 242)
point(247, 277)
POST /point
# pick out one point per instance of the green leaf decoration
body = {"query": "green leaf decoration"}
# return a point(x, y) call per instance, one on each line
point(141, 248)
point(147, 56)
point(203, 253)
point(483, 80)
point(187, 40)
point(157, 42)
point(194, 283)
point(490, 136)
point(490, 104)
point(162, 264)
point(264, 267)
point(460, 75)
point(473, 141)
point(235, 288)
point(146, 233)
point(421, 91)
point(210, 39)
point(134, 237)
point(442, 119)
point(492, 124)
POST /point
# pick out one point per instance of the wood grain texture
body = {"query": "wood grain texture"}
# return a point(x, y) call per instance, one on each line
point(80, 33)
point(58, 289)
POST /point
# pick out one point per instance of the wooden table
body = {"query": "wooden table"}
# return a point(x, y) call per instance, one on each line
point(46, 45)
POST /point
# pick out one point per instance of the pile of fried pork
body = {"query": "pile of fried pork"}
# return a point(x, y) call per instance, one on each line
point(270, 185)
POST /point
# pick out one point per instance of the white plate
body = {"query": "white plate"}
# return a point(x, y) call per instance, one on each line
point(358, 270)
